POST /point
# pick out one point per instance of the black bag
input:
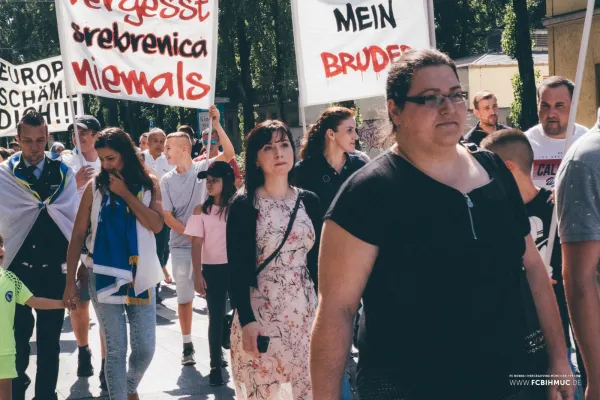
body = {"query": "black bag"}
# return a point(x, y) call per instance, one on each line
point(228, 319)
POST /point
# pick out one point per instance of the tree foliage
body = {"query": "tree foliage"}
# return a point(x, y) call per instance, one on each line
point(516, 107)
point(536, 10)
point(521, 17)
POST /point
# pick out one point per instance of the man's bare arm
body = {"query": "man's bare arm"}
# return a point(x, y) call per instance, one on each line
point(580, 262)
point(545, 301)
point(345, 263)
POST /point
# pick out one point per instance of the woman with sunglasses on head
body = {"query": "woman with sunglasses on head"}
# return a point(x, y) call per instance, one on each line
point(207, 228)
point(118, 214)
point(434, 236)
point(215, 146)
point(273, 231)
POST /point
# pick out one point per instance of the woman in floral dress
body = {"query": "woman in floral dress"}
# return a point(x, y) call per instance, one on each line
point(280, 302)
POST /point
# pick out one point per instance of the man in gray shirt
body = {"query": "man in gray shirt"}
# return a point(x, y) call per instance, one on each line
point(182, 192)
point(578, 206)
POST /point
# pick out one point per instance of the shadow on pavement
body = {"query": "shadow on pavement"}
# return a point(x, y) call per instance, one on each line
point(81, 390)
point(201, 311)
point(166, 292)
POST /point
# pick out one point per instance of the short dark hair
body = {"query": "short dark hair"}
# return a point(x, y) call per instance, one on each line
point(403, 69)
point(4, 153)
point(511, 145)
point(554, 82)
point(484, 95)
point(1, 240)
point(187, 129)
point(31, 118)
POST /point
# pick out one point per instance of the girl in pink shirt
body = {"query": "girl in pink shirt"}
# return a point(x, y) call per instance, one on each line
point(207, 228)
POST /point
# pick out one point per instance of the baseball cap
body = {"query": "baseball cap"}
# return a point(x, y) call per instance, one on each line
point(218, 169)
point(13, 143)
point(86, 122)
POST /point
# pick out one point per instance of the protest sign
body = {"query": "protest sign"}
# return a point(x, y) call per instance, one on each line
point(344, 49)
point(38, 85)
point(203, 120)
point(162, 52)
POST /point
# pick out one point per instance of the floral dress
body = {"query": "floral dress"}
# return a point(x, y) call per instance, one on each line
point(284, 305)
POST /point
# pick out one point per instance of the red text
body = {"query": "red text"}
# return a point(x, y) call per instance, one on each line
point(175, 83)
point(372, 58)
point(137, 10)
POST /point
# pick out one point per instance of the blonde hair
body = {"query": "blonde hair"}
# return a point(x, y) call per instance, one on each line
point(180, 135)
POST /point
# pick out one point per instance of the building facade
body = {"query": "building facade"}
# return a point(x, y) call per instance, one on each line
point(565, 27)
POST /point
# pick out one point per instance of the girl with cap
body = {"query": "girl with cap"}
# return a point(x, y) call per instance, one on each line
point(207, 228)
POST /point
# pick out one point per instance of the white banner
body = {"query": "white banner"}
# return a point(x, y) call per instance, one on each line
point(162, 52)
point(203, 120)
point(344, 48)
point(38, 85)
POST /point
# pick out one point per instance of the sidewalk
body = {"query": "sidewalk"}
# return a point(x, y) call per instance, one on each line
point(166, 378)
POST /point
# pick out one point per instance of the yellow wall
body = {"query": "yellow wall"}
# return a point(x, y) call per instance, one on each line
point(564, 54)
point(496, 78)
point(557, 7)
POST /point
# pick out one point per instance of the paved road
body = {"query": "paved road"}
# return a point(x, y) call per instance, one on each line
point(165, 379)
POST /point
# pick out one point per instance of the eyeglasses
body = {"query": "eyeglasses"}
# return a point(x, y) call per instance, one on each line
point(212, 142)
point(436, 100)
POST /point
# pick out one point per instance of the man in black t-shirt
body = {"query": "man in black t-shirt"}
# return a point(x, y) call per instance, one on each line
point(485, 107)
point(515, 150)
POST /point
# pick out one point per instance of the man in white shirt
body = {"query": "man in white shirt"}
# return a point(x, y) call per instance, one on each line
point(154, 157)
point(88, 128)
point(548, 138)
point(157, 162)
point(144, 142)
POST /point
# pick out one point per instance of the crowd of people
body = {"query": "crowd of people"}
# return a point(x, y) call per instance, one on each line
point(439, 239)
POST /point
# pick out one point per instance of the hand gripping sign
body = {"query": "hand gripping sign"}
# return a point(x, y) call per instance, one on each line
point(157, 51)
point(344, 48)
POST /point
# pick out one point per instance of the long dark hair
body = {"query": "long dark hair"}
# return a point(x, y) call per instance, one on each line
point(313, 143)
point(260, 136)
point(133, 170)
point(227, 193)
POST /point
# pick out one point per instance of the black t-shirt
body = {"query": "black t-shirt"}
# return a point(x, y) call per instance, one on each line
point(197, 148)
point(442, 307)
point(476, 135)
point(540, 216)
point(318, 176)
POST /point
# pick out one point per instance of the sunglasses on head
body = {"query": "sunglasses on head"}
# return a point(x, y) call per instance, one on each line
point(212, 142)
